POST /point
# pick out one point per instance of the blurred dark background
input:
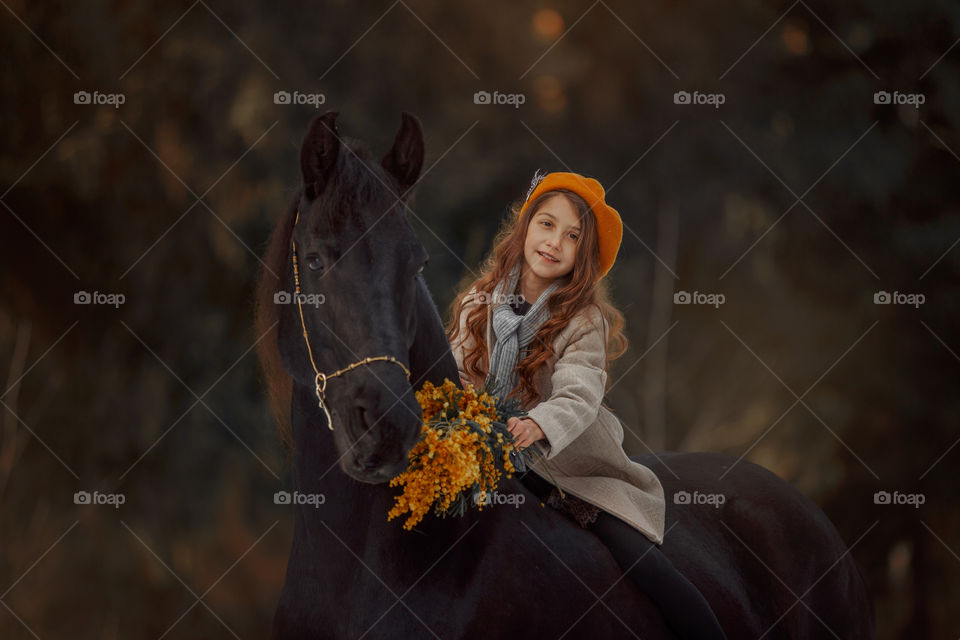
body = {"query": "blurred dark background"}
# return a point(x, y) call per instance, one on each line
point(800, 199)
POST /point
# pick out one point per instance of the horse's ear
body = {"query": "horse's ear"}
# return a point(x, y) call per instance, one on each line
point(405, 160)
point(318, 154)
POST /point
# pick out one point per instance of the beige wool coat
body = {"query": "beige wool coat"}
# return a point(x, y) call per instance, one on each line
point(584, 439)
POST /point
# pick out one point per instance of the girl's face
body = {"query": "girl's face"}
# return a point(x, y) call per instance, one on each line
point(551, 244)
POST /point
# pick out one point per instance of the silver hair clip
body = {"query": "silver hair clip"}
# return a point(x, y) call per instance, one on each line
point(537, 177)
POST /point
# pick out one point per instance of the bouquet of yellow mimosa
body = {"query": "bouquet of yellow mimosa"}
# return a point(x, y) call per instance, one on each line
point(463, 451)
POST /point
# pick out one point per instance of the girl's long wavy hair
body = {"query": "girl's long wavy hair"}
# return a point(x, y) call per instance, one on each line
point(582, 287)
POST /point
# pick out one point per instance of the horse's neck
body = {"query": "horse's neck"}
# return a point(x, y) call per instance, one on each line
point(430, 357)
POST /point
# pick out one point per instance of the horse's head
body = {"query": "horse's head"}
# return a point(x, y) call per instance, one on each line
point(358, 262)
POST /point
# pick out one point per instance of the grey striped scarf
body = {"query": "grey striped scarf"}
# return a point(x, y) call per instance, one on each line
point(513, 332)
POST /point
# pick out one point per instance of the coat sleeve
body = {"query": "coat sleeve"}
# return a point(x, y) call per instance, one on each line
point(578, 382)
point(463, 343)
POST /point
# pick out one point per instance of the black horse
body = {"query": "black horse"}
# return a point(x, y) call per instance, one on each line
point(768, 560)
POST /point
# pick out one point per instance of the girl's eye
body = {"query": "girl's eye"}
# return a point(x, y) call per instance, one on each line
point(574, 236)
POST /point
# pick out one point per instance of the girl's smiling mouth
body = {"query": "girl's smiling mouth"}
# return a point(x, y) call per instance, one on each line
point(547, 257)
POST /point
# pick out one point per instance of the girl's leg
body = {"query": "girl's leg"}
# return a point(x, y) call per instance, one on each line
point(685, 609)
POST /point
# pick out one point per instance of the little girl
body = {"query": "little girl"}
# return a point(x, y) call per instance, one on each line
point(538, 325)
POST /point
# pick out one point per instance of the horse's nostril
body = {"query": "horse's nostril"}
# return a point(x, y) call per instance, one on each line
point(366, 416)
point(368, 411)
point(367, 464)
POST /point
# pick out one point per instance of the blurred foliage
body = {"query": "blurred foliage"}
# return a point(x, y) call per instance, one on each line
point(169, 200)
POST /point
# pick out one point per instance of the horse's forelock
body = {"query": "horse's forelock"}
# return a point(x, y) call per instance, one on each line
point(360, 184)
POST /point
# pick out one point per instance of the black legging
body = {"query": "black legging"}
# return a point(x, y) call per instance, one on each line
point(686, 611)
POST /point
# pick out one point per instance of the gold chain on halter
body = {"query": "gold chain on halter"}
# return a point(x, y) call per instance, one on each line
point(321, 379)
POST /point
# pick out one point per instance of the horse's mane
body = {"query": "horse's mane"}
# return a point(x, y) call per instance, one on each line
point(267, 321)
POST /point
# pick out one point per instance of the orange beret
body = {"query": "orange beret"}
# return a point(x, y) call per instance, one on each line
point(609, 225)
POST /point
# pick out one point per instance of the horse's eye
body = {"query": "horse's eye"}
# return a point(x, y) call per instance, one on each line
point(314, 263)
point(420, 270)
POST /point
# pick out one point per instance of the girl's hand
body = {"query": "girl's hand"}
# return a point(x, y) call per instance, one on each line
point(525, 430)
